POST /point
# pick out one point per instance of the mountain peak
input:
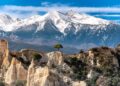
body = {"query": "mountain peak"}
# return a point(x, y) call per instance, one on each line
point(60, 20)
point(86, 19)
point(5, 19)
point(79, 18)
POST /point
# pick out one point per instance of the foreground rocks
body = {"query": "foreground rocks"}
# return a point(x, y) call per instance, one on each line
point(46, 75)
point(96, 67)
point(46, 70)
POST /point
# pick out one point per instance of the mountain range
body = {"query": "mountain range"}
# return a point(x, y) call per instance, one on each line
point(73, 30)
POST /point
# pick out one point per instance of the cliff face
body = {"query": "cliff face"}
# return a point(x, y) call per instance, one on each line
point(49, 70)
point(4, 54)
point(37, 76)
point(55, 58)
point(102, 56)
point(15, 72)
point(46, 75)
point(54, 73)
point(54, 69)
point(11, 74)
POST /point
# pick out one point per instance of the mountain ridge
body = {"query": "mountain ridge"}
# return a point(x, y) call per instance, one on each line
point(56, 17)
point(70, 29)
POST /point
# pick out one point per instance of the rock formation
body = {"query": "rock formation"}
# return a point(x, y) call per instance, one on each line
point(15, 72)
point(11, 74)
point(44, 76)
point(99, 56)
point(21, 72)
point(97, 66)
point(4, 53)
point(55, 58)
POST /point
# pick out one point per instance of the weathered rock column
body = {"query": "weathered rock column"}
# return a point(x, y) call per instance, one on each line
point(11, 74)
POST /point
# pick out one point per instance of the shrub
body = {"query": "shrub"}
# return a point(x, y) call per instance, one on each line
point(2, 83)
point(92, 81)
point(20, 83)
point(37, 56)
point(79, 68)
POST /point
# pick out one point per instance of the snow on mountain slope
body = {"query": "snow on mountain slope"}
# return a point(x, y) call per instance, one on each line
point(60, 20)
point(64, 20)
point(5, 19)
point(6, 22)
point(86, 19)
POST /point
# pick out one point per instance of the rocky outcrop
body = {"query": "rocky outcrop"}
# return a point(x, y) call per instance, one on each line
point(49, 75)
point(15, 72)
point(4, 53)
point(102, 56)
point(11, 74)
point(55, 58)
point(30, 76)
point(25, 56)
point(56, 69)
point(21, 72)
point(44, 76)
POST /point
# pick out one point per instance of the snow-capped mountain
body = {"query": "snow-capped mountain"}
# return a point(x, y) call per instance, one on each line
point(71, 29)
point(60, 20)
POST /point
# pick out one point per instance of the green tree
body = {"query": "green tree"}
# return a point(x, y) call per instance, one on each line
point(58, 46)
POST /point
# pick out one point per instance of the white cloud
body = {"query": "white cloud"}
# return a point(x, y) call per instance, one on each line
point(18, 11)
point(26, 11)
point(108, 15)
point(62, 8)
point(45, 3)
point(48, 4)
point(18, 14)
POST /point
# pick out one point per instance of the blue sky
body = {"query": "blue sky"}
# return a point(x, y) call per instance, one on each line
point(107, 9)
point(84, 3)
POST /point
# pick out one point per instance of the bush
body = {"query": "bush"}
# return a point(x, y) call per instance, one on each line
point(79, 68)
point(2, 83)
point(92, 81)
point(20, 83)
point(37, 56)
